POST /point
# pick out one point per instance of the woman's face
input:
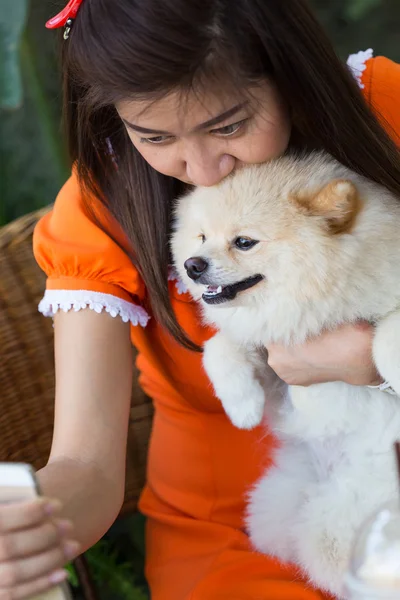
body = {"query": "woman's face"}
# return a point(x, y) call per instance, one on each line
point(200, 139)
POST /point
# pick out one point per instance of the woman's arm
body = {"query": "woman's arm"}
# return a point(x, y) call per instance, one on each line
point(341, 355)
point(86, 468)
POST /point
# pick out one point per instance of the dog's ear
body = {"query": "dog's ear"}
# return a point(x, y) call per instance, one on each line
point(338, 202)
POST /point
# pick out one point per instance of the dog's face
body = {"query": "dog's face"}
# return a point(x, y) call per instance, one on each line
point(262, 228)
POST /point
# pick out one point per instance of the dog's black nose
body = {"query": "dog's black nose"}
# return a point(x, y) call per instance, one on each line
point(195, 267)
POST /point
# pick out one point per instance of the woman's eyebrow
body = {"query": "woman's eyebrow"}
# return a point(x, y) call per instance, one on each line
point(214, 121)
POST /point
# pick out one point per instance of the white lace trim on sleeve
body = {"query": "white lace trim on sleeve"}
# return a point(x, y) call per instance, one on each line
point(66, 300)
point(356, 63)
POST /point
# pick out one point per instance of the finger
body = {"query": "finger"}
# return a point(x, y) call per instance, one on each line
point(33, 541)
point(22, 515)
point(16, 572)
point(34, 588)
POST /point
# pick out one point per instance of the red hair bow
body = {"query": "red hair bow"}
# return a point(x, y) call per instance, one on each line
point(69, 13)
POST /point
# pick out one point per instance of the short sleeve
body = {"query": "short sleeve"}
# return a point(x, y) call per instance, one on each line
point(85, 267)
point(381, 80)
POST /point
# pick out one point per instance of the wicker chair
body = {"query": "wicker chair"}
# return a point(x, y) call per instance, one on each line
point(27, 373)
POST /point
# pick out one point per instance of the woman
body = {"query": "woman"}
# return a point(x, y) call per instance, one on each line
point(161, 95)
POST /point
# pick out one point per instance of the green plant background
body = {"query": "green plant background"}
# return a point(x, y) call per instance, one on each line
point(34, 164)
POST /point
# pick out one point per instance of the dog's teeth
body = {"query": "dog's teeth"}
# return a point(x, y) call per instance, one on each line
point(212, 290)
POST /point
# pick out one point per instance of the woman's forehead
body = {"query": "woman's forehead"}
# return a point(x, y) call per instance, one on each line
point(182, 110)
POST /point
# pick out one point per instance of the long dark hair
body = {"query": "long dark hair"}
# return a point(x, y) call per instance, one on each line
point(143, 49)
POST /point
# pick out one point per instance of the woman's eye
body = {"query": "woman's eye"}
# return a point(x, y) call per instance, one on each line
point(229, 129)
point(159, 139)
point(245, 243)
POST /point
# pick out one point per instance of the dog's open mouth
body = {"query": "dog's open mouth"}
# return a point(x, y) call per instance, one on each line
point(218, 294)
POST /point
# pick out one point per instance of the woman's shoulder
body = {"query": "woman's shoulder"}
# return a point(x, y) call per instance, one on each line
point(80, 248)
point(379, 78)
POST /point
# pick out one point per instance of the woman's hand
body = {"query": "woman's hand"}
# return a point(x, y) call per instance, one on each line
point(341, 355)
point(34, 546)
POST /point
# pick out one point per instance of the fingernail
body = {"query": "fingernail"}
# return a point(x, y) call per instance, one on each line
point(71, 549)
point(51, 507)
point(64, 525)
point(58, 576)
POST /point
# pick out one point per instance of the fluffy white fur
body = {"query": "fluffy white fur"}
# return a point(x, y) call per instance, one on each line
point(329, 252)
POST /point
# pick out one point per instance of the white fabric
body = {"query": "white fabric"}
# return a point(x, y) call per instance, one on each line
point(356, 63)
point(66, 300)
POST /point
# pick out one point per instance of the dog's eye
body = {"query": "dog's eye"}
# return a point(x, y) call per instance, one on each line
point(202, 237)
point(244, 243)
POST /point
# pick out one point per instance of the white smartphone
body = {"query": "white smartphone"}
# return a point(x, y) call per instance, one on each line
point(18, 482)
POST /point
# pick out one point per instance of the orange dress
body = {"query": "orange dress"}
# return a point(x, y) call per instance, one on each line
point(200, 466)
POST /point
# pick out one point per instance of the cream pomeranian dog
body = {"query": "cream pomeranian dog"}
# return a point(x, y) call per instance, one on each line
point(278, 253)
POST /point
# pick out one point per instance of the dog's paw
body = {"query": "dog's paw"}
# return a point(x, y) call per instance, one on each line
point(246, 408)
point(325, 565)
point(246, 417)
point(324, 533)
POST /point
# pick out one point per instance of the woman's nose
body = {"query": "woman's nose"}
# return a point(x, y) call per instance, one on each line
point(207, 170)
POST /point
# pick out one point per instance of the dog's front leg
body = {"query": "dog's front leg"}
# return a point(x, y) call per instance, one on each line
point(386, 350)
point(232, 371)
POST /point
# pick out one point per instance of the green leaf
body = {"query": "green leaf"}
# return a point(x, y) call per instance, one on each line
point(13, 15)
point(72, 576)
point(115, 579)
